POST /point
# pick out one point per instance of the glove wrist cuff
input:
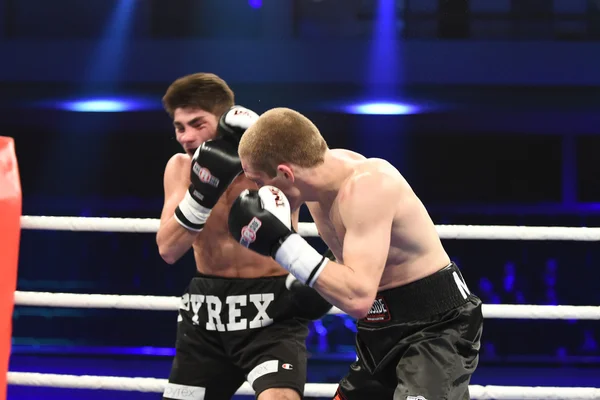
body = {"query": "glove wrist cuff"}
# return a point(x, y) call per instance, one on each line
point(190, 214)
point(300, 259)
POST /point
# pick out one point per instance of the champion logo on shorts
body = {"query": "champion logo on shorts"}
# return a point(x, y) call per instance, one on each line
point(287, 366)
point(379, 311)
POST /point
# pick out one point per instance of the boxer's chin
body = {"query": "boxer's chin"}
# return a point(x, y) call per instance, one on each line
point(190, 152)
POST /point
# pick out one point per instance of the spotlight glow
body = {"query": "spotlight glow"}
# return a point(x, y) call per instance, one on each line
point(97, 106)
point(381, 108)
point(255, 3)
point(106, 105)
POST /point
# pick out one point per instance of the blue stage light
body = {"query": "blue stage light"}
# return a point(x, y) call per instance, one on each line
point(97, 106)
point(255, 3)
point(104, 104)
point(381, 108)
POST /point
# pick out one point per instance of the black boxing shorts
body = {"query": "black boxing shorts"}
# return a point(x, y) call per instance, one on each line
point(235, 330)
point(419, 341)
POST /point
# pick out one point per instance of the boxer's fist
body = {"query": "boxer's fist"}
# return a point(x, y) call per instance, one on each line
point(215, 165)
point(309, 303)
point(234, 123)
point(261, 220)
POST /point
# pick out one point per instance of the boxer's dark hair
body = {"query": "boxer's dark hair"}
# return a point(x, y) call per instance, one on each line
point(201, 90)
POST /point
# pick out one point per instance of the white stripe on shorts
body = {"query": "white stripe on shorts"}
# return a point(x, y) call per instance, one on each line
point(183, 392)
point(268, 367)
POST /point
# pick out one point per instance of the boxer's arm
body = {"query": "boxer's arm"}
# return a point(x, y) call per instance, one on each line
point(174, 240)
point(367, 213)
point(260, 220)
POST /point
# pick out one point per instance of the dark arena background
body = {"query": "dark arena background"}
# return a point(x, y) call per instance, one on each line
point(488, 107)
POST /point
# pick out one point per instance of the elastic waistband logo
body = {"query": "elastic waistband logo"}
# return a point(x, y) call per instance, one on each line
point(379, 311)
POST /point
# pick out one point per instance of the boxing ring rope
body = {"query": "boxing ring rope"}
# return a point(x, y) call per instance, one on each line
point(162, 303)
point(462, 232)
point(311, 389)
point(158, 303)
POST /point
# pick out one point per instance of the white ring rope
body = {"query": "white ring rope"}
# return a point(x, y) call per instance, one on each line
point(160, 303)
point(491, 232)
point(311, 389)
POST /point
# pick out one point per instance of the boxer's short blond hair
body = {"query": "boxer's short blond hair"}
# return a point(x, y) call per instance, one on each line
point(280, 136)
point(202, 90)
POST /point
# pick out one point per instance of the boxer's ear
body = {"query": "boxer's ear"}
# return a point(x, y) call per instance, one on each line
point(287, 172)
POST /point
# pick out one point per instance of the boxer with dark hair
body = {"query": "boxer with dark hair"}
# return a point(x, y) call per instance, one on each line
point(242, 317)
point(419, 326)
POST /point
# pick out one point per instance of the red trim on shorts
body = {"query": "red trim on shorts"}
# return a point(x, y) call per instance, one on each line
point(339, 395)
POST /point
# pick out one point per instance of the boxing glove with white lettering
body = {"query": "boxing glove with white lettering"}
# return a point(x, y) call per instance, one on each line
point(234, 123)
point(261, 221)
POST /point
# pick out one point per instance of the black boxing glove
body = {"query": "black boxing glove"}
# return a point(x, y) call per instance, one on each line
point(261, 221)
point(215, 165)
point(309, 303)
point(234, 123)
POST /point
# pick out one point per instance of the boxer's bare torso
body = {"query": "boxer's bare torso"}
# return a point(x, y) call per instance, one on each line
point(415, 248)
point(215, 250)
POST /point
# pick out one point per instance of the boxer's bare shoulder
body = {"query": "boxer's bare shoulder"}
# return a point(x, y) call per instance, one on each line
point(374, 185)
point(178, 161)
point(175, 170)
point(370, 190)
point(175, 183)
point(377, 195)
point(347, 154)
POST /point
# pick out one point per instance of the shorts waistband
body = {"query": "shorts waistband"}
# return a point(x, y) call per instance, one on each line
point(432, 295)
point(223, 286)
point(200, 275)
